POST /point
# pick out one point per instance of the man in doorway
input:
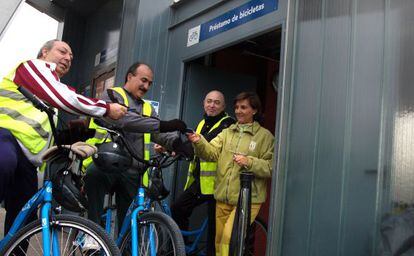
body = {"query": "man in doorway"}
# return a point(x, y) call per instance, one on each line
point(140, 127)
point(25, 131)
point(199, 188)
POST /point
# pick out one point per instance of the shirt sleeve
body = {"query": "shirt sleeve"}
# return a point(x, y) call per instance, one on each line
point(132, 121)
point(209, 151)
point(41, 79)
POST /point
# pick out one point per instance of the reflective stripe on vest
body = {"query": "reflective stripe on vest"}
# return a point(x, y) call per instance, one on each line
point(207, 169)
point(18, 115)
point(102, 135)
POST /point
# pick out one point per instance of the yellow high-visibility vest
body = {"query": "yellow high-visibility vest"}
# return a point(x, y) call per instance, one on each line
point(102, 135)
point(18, 115)
point(207, 169)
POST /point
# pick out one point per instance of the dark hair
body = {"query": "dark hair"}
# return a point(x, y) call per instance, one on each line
point(254, 102)
point(133, 68)
point(48, 46)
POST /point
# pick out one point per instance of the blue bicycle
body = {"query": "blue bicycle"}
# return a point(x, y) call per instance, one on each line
point(143, 231)
point(54, 234)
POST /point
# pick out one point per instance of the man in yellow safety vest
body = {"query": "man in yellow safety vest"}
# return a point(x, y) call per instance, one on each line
point(199, 188)
point(25, 131)
point(140, 127)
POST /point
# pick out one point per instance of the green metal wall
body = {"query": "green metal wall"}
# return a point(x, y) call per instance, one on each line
point(349, 93)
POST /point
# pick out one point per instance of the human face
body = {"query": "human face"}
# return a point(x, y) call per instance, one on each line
point(214, 103)
point(61, 55)
point(139, 83)
point(244, 112)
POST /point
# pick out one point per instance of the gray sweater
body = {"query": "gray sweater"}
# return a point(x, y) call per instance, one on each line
point(134, 125)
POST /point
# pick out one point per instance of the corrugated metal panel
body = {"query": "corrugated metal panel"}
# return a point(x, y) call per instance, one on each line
point(150, 38)
point(401, 76)
point(331, 193)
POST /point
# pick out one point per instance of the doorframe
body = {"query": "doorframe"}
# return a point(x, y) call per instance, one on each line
point(283, 110)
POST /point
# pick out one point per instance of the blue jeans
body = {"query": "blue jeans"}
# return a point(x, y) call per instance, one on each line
point(18, 177)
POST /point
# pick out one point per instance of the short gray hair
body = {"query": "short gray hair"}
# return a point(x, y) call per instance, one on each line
point(48, 46)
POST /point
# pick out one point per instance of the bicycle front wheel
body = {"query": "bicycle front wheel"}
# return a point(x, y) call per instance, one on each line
point(158, 233)
point(76, 236)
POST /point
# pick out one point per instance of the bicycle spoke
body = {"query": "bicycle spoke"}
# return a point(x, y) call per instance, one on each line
point(39, 244)
point(67, 242)
point(28, 240)
point(33, 248)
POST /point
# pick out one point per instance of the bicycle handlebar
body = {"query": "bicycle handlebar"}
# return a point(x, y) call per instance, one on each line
point(38, 103)
point(158, 162)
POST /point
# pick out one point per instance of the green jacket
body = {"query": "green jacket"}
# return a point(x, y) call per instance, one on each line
point(254, 141)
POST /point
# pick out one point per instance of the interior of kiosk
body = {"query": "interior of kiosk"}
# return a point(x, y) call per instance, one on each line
point(251, 65)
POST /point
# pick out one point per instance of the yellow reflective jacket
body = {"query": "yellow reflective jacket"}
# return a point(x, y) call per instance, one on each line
point(18, 115)
point(101, 135)
point(207, 169)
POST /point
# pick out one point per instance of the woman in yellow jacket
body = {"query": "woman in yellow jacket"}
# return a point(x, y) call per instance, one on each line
point(244, 145)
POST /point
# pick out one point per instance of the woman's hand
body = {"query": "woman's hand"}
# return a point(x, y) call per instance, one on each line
point(193, 137)
point(241, 160)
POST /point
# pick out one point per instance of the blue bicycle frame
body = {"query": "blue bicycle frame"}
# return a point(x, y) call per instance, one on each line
point(43, 196)
point(136, 208)
point(196, 233)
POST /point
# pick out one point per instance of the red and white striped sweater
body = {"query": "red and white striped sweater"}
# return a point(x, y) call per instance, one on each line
point(42, 80)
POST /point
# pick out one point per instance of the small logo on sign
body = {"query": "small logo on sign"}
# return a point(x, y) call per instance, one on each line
point(193, 36)
point(252, 145)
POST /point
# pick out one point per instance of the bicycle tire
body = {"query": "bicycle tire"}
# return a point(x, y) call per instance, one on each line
point(168, 238)
point(73, 231)
point(257, 237)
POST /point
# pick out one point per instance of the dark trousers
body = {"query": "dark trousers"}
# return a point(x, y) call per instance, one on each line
point(18, 178)
point(184, 205)
point(98, 183)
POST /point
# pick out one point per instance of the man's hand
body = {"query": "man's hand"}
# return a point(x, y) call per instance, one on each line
point(116, 111)
point(172, 125)
point(158, 148)
point(193, 137)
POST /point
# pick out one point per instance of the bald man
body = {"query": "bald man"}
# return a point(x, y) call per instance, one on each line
point(199, 188)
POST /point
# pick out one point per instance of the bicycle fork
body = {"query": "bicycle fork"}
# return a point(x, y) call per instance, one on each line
point(134, 226)
point(45, 217)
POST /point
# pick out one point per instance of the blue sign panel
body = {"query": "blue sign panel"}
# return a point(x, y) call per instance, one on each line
point(236, 17)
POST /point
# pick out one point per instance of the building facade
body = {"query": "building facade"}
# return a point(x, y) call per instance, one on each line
point(334, 77)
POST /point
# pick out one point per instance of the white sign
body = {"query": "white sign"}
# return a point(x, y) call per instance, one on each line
point(193, 36)
point(154, 104)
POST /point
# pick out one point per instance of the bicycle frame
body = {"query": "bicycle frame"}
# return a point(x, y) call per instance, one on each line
point(136, 208)
point(196, 233)
point(43, 196)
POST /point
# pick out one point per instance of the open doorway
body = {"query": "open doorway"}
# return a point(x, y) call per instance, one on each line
point(251, 65)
